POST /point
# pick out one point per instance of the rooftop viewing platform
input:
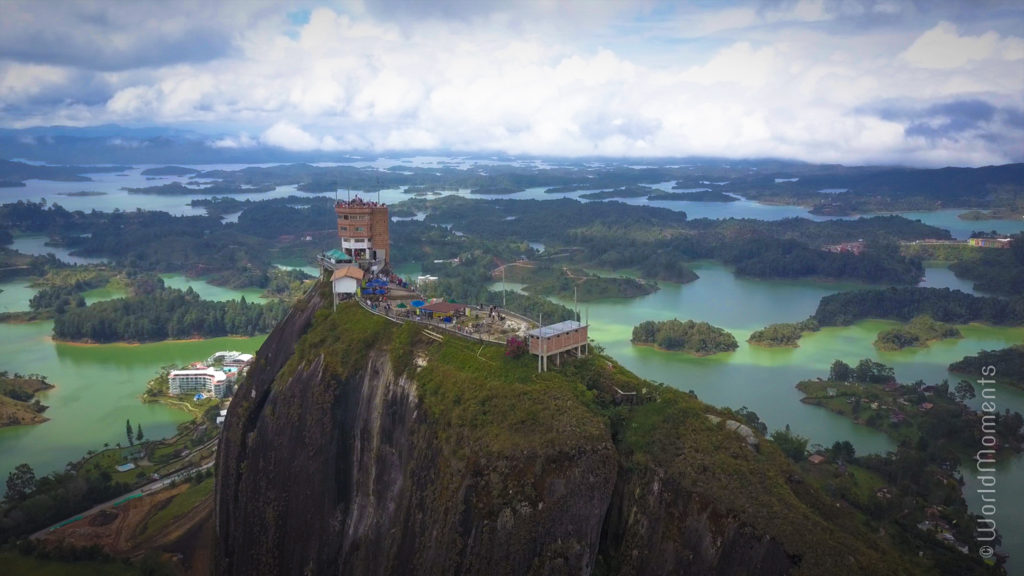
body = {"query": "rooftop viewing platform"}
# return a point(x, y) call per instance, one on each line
point(358, 202)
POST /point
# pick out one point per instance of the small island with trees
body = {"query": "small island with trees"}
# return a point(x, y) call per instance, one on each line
point(919, 333)
point(1007, 365)
point(783, 335)
point(18, 404)
point(696, 338)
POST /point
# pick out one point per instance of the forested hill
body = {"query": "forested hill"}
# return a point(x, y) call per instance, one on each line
point(166, 313)
point(904, 303)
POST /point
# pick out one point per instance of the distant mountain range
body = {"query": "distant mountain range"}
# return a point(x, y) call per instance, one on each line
point(113, 144)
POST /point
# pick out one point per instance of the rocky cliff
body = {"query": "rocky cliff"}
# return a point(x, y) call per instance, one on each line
point(358, 446)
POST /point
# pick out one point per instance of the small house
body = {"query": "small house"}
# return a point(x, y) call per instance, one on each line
point(346, 281)
point(442, 310)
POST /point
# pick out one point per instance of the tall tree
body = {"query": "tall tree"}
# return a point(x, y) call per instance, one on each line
point(21, 482)
point(128, 430)
point(138, 435)
point(840, 371)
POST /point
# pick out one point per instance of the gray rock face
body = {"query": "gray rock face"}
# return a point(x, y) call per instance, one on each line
point(320, 475)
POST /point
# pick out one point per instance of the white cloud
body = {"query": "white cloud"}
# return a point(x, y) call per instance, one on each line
point(661, 79)
point(943, 47)
point(289, 136)
point(19, 82)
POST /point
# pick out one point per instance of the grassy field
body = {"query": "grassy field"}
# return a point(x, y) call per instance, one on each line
point(182, 504)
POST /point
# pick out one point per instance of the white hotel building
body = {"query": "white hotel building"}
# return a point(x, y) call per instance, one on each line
point(208, 381)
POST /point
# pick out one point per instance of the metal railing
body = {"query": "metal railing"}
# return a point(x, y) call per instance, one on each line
point(401, 319)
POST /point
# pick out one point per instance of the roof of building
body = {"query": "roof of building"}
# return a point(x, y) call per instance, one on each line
point(444, 307)
point(338, 255)
point(217, 374)
point(347, 272)
point(556, 329)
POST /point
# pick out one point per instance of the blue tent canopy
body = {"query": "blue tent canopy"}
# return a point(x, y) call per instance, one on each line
point(380, 291)
point(418, 303)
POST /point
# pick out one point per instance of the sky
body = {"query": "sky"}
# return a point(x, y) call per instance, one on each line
point(927, 83)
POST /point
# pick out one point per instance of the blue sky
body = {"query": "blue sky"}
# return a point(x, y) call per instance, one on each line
point(927, 83)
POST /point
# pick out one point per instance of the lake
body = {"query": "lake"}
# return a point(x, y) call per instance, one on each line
point(97, 386)
point(113, 197)
point(763, 379)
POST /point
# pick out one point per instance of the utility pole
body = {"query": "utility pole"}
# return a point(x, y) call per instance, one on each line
point(503, 286)
point(540, 334)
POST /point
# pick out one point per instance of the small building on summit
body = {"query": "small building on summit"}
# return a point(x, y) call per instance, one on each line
point(443, 310)
point(337, 257)
point(346, 281)
point(554, 339)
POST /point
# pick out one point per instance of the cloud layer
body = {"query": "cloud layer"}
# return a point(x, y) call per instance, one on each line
point(825, 81)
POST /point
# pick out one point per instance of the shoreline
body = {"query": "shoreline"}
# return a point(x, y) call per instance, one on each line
point(136, 343)
point(687, 352)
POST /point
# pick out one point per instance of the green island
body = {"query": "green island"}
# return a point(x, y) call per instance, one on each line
point(547, 279)
point(696, 338)
point(936, 432)
point(1006, 366)
point(428, 190)
point(18, 404)
point(784, 334)
point(83, 194)
point(919, 332)
point(14, 173)
point(916, 486)
point(496, 190)
point(215, 189)
point(1005, 213)
point(698, 196)
point(913, 414)
point(905, 303)
point(154, 312)
point(170, 171)
point(568, 188)
point(624, 192)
